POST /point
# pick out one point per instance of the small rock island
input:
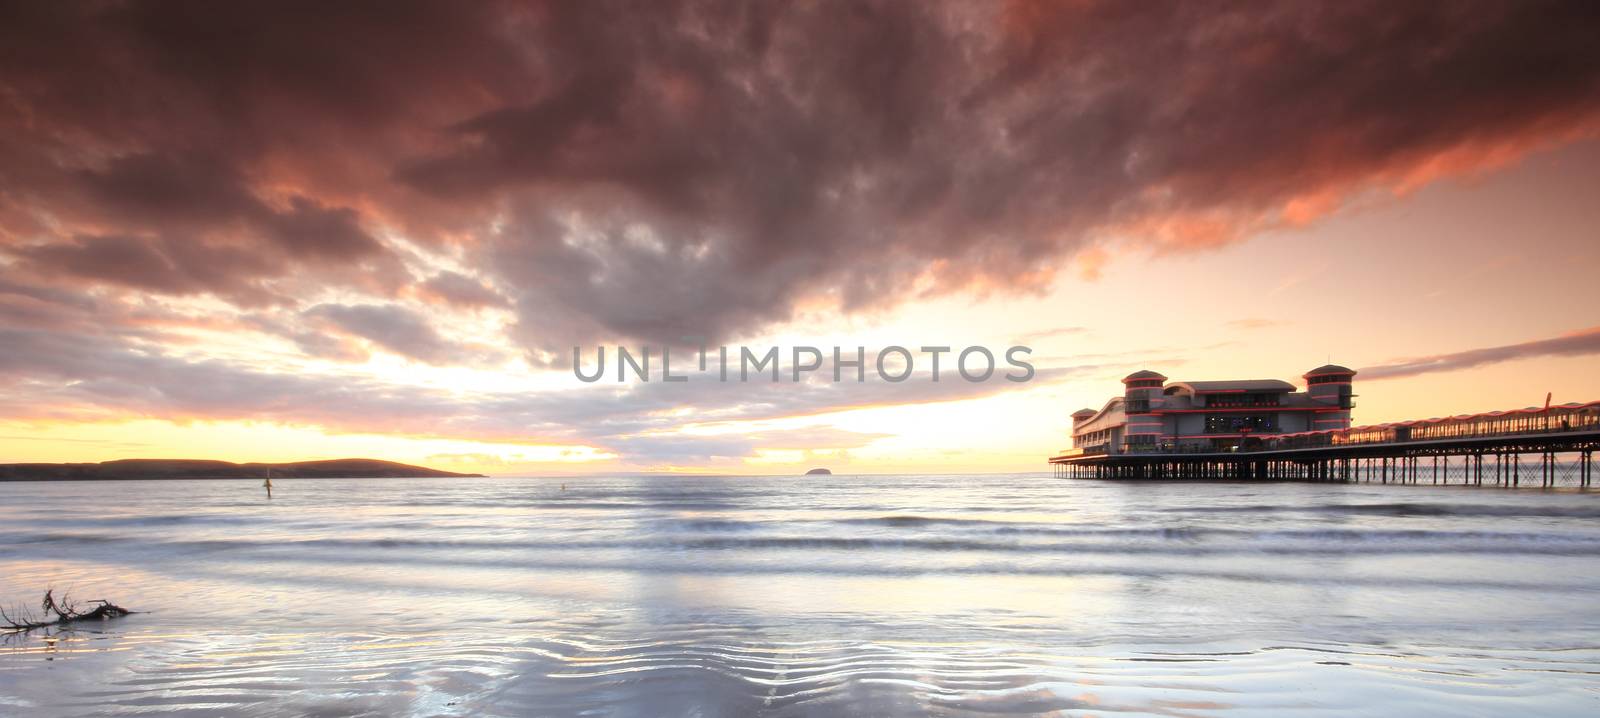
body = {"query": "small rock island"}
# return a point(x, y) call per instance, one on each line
point(819, 472)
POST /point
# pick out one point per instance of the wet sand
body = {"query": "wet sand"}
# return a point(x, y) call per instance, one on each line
point(899, 596)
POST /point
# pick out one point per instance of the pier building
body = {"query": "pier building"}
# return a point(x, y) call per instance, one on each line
point(1264, 429)
point(1154, 415)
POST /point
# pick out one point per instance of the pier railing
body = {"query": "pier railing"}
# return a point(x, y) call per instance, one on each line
point(1517, 422)
point(1497, 424)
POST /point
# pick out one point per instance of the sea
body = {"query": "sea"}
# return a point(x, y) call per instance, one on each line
point(914, 595)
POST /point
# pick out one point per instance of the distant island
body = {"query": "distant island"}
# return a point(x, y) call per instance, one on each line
point(203, 469)
point(819, 472)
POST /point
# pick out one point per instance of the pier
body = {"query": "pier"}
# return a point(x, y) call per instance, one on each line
point(1542, 447)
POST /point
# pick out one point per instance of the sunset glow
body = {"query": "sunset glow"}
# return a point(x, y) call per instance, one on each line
point(272, 263)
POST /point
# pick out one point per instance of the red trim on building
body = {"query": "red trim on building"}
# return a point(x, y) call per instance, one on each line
point(1236, 409)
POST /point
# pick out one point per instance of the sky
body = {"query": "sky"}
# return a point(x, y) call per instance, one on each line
point(288, 231)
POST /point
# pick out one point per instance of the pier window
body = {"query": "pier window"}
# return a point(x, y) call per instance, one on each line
point(1236, 423)
point(1231, 400)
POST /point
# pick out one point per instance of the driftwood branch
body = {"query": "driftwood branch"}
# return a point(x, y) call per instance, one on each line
point(54, 612)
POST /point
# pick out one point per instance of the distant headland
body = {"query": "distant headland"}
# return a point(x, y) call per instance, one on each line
point(204, 469)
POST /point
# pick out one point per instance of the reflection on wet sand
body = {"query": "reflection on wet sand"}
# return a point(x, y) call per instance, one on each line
point(738, 597)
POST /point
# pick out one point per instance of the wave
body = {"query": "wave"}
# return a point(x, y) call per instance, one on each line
point(1086, 542)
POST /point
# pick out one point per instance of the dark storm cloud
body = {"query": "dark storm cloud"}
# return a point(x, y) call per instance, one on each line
point(460, 290)
point(654, 170)
point(44, 295)
point(308, 228)
point(1580, 343)
point(689, 171)
point(187, 225)
point(246, 126)
point(152, 189)
point(152, 264)
point(392, 327)
point(650, 171)
point(185, 193)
